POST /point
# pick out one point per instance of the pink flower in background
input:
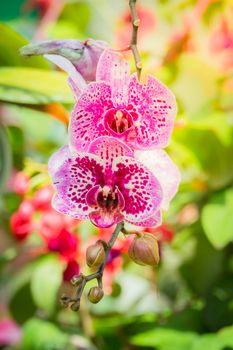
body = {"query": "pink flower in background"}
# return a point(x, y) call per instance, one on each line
point(42, 198)
point(117, 104)
point(10, 333)
point(148, 23)
point(106, 185)
point(20, 183)
point(221, 44)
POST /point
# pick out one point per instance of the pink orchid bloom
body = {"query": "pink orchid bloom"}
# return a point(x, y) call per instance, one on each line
point(107, 185)
point(118, 105)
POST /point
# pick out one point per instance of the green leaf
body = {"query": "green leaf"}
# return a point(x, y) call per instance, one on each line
point(214, 157)
point(217, 219)
point(22, 306)
point(17, 142)
point(165, 339)
point(196, 271)
point(219, 341)
point(10, 42)
point(5, 159)
point(33, 86)
point(196, 84)
point(42, 335)
point(46, 279)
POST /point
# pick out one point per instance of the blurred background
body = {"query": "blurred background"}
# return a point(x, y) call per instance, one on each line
point(187, 301)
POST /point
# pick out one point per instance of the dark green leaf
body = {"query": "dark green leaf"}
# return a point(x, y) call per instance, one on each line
point(5, 158)
point(10, 43)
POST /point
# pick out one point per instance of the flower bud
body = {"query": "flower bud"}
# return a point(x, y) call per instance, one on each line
point(76, 280)
point(83, 56)
point(75, 306)
point(95, 295)
point(144, 250)
point(95, 255)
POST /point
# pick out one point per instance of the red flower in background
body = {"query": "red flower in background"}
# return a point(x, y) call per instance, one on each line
point(164, 233)
point(72, 269)
point(21, 221)
point(56, 230)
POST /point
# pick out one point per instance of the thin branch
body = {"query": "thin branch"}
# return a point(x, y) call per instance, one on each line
point(81, 280)
point(133, 44)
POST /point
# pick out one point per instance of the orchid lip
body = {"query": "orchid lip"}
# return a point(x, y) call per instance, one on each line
point(105, 198)
point(118, 121)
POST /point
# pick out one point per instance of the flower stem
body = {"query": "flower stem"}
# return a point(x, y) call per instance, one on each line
point(98, 275)
point(133, 44)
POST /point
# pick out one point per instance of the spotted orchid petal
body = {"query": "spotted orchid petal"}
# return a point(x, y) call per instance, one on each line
point(153, 221)
point(109, 148)
point(167, 173)
point(140, 189)
point(64, 208)
point(155, 108)
point(73, 177)
point(86, 118)
point(114, 70)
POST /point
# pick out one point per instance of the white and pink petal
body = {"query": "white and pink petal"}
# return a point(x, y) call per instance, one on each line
point(153, 221)
point(74, 177)
point(155, 107)
point(108, 148)
point(87, 119)
point(140, 188)
point(115, 70)
point(164, 169)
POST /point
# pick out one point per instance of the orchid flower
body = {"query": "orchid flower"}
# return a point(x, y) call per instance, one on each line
point(107, 184)
point(118, 105)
